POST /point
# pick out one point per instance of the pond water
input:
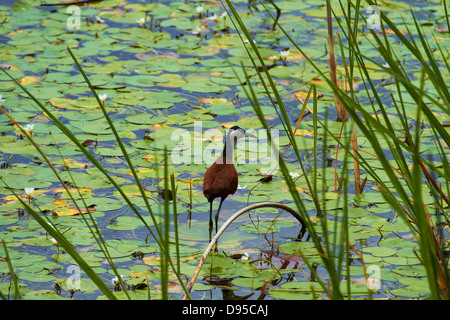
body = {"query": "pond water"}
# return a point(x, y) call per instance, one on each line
point(162, 75)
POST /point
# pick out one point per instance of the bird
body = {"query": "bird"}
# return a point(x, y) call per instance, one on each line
point(252, 4)
point(221, 178)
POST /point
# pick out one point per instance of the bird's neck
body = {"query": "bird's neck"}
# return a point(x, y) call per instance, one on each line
point(228, 149)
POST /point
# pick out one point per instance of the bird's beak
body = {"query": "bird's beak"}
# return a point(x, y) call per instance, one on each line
point(250, 135)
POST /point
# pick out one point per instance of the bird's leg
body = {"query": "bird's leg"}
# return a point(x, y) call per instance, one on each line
point(278, 16)
point(216, 218)
point(210, 220)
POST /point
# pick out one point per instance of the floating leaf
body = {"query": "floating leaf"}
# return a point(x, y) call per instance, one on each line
point(66, 103)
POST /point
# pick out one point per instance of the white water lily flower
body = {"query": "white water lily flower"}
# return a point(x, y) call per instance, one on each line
point(99, 20)
point(1, 98)
point(199, 10)
point(241, 187)
point(141, 21)
point(284, 54)
point(28, 128)
point(29, 191)
point(213, 18)
point(103, 96)
point(246, 41)
point(224, 15)
point(116, 279)
point(197, 31)
point(56, 243)
point(245, 256)
point(294, 175)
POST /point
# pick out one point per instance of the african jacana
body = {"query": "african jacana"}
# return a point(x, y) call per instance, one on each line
point(252, 3)
point(221, 179)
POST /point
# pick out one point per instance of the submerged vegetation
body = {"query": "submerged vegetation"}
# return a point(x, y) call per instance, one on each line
point(113, 110)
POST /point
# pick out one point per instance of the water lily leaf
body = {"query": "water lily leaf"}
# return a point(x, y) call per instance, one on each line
point(304, 286)
point(180, 23)
point(145, 81)
point(113, 152)
point(29, 80)
point(159, 10)
point(66, 103)
point(140, 118)
point(205, 87)
point(16, 182)
point(401, 261)
point(267, 226)
point(104, 204)
point(202, 287)
point(248, 282)
point(411, 292)
point(124, 224)
point(83, 115)
point(290, 294)
point(410, 271)
point(380, 251)
point(99, 127)
point(175, 80)
point(42, 276)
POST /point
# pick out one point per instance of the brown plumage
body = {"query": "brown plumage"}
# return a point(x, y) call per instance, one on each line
point(221, 179)
point(223, 182)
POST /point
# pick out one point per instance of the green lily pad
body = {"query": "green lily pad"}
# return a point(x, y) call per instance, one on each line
point(267, 226)
point(204, 87)
point(140, 118)
point(381, 251)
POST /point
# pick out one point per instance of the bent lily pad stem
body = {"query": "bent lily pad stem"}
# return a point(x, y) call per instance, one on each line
point(230, 220)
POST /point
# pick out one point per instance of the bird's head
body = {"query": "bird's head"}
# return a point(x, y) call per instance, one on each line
point(235, 133)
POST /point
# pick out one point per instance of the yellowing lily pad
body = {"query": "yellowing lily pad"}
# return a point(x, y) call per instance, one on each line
point(28, 80)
